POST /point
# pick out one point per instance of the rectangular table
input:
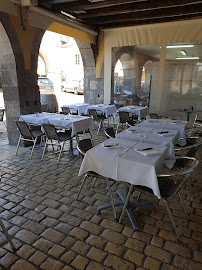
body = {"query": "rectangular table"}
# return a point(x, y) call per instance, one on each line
point(165, 124)
point(148, 135)
point(126, 163)
point(80, 107)
point(107, 110)
point(137, 110)
point(76, 123)
point(134, 167)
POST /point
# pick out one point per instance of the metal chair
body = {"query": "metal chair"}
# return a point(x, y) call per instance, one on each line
point(169, 187)
point(55, 138)
point(7, 235)
point(83, 146)
point(191, 147)
point(154, 116)
point(26, 134)
point(124, 117)
point(109, 132)
point(99, 118)
point(65, 110)
point(197, 126)
point(2, 111)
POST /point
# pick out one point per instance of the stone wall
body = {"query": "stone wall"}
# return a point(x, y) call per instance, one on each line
point(93, 88)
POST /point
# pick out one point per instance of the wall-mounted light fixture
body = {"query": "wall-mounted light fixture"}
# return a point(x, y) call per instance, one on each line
point(180, 46)
point(186, 58)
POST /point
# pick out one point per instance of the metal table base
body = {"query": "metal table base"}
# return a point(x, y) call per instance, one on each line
point(130, 206)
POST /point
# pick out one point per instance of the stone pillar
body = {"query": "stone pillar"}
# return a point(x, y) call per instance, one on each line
point(20, 89)
point(93, 88)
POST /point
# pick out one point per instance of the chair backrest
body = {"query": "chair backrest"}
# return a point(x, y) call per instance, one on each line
point(24, 130)
point(123, 117)
point(84, 145)
point(93, 113)
point(2, 114)
point(65, 110)
point(185, 175)
point(44, 107)
point(109, 132)
point(50, 132)
point(154, 116)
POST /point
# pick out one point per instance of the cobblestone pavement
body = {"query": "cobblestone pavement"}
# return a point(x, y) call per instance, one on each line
point(52, 230)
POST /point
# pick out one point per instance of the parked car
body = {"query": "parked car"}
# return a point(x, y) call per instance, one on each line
point(73, 86)
point(45, 85)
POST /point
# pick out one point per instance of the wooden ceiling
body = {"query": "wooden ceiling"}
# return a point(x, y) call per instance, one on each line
point(117, 13)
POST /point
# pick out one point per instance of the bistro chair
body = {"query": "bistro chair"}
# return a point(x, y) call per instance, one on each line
point(2, 111)
point(109, 132)
point(170, 184)
point(154, 116)
point(123, 119)
point(65, 110)
point(26, 134)
point(191, 147)
point(99, 118)
point(83, 146)
point(7, 235)
point(55, 138)
point(197, 126)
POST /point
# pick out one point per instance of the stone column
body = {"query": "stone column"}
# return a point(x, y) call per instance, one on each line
point(20, 89)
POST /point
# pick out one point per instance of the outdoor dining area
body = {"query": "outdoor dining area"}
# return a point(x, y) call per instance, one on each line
point(96, 187)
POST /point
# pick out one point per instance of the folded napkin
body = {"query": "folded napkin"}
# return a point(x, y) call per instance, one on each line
point(134, 130)
point(110, 145)
point(147, 151)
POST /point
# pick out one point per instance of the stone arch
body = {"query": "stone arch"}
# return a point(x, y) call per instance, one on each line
point(46, 60)
point(125, 55)
point(20, 89)
point(93, 88)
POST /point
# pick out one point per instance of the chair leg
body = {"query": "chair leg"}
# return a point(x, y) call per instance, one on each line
point(172, 220)
point(18, 145)
point(33, 147)
point(95, 179)
point(126, 202)
point(44, 150)
point(82, 183)
point(61, 148)
point(184, 208)
point(6, 234)
point(111, 198)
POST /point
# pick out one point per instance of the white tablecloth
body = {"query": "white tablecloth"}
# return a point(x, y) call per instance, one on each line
point(134, 168)
point(75, 122)
point(80, 107)
point(167, 125)
point(37, 118)
point(140, 111)
point(147, 135)
point(108, 110)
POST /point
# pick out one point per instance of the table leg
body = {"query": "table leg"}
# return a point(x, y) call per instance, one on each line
point(127, 206)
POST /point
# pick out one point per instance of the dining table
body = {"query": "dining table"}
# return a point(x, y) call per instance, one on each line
point(107, 110)
point(153, 136)
point(169, 125)
point(126, 161)
point(75, 123)
point(79, 107)
point(140, 111)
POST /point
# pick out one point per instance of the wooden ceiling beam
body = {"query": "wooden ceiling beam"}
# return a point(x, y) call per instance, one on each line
point(85, 4)
point(143, 15)
point(152, 21)
point(135, 7)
